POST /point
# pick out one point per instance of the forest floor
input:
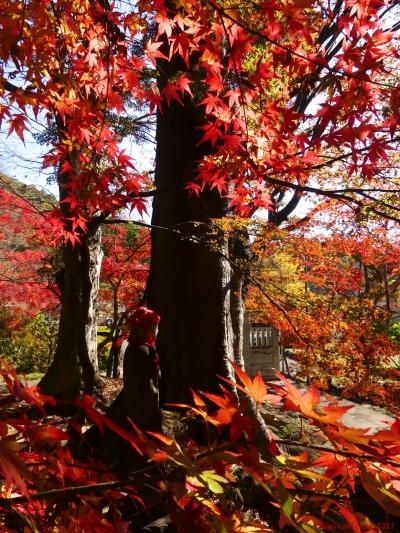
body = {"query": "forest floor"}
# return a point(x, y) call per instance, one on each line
point(286, 425)
point(361, 415)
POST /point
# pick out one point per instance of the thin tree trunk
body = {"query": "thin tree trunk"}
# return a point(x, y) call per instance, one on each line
point(75, 366)
point(116, 372)
point(366, 280)
point(387, 292)
point(95, 260)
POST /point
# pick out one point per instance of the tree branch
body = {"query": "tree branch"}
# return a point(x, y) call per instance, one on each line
point(335, 451)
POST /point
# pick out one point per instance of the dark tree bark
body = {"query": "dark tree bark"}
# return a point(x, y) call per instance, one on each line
point(75, 362)
point(75, 366)
point(195, 289)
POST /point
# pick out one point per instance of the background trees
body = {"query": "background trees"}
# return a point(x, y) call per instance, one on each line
point(332, 291)
point(73, 68)
point(29, 298)
point(122, 286)
point(233, 86)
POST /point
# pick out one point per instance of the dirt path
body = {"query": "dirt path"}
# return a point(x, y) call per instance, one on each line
point(361, 415)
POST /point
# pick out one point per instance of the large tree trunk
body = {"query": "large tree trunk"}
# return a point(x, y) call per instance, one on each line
point(191, 286)
point(198, 291)
point(194, 287)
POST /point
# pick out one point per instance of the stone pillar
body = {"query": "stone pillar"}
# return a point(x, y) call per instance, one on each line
point(261, 349)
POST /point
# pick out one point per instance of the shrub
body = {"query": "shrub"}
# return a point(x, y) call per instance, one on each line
point(31, 348)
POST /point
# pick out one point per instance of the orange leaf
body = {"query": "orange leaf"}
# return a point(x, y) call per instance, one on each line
point(13, 467)
point(258, 389)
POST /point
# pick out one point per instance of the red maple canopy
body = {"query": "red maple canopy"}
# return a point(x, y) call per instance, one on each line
point(254, 69)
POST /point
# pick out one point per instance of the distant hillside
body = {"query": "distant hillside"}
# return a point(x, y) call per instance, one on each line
point(40, 199)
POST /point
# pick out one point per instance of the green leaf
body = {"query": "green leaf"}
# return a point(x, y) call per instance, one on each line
point(213, 481)
point(286, 500)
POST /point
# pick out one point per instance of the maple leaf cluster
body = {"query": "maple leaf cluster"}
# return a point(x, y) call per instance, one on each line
point(252, 68)
point(72, 67)
point(44, 485)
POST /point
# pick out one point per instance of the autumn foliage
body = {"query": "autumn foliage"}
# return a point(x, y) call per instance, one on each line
point(294, 96)
point(125, 267)
point(252, 68)
point(311, 488)
point(25, 288)
point(331, 288)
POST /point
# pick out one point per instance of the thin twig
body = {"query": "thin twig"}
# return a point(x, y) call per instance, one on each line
point(335, 451)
